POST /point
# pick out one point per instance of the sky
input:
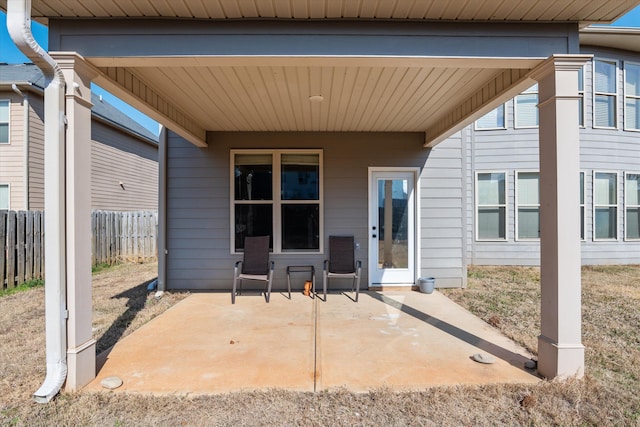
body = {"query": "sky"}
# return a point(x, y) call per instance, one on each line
point(11, 55)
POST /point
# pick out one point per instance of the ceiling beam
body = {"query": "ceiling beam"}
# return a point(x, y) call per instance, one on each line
point(126, 86)
point(501, 88)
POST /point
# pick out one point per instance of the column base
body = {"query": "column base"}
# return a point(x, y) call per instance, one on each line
point(81, 365)
point(560, 360)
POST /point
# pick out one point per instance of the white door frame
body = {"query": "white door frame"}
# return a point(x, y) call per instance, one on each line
point(415, 201)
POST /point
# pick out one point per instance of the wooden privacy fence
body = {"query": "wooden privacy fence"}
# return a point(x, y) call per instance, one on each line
point(116, 236)
point(124, 236)
point(21, 247)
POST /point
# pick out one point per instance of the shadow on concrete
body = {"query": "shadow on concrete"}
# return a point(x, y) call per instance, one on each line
point(514, 359)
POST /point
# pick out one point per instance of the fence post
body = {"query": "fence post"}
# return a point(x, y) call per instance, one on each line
point(3, 248)
point(28, 270)
point(11, 249)
point(37, 245)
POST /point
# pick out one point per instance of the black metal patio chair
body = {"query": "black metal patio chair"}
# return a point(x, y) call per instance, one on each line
point(342, 263)
point(255, 266)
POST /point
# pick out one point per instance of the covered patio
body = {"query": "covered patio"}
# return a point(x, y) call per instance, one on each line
point(255, 66)
point(397, 340)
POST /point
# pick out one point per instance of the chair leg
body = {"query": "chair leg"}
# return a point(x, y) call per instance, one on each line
point(357, 287)
point(233, 291)
point(269, 285)
point(325, 279)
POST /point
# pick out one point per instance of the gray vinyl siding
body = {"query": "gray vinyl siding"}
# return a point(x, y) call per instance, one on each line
point(198, 201)
point(117, 157)
point(442, 233)
point(36, 153)
point(512, 150)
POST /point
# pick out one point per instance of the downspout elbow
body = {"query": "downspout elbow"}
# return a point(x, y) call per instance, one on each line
point(19, 27)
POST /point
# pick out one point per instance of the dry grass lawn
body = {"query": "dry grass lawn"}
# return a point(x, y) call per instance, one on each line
point(506, 297)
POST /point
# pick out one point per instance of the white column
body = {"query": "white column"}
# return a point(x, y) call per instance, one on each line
point(560, 349)
point(81, 351)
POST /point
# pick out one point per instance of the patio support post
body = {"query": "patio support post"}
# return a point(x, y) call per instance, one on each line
point(560, 349)
point(81, 347)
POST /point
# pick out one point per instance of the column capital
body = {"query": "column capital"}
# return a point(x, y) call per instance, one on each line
point(559, 63)
point(75, 61)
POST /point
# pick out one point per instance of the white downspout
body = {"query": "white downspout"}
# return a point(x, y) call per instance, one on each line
point(19, 26)
point(162, 212)
point(25, 105)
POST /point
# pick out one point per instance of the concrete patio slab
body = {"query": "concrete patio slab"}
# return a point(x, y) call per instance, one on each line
point(401, 340)
point(409, 341)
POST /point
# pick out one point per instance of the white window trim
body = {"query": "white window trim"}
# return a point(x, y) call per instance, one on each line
point(617, 206)
point(504, 120)
point(624, 91)
point(515, 108)
point(594, 93)
point(581, 94)
point(8, 194)
point(626, 239)
point(517, 205)
point(583, 207)
point(277, 202)
point(506, 204)
point(8, 101)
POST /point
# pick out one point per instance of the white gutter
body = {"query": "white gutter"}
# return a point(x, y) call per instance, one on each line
point(25, 105)
point(19, 26)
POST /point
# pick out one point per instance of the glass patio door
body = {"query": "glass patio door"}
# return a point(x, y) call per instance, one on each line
point(392, 209)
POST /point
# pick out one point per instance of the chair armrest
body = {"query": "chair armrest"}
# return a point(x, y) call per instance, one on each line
point(238, 264)
point(272, 265)
point(325, 265)
point(358, 264)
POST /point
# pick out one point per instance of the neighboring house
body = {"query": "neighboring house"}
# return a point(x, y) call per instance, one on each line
point(304, 119)
point(124, 154)
point(500, 157)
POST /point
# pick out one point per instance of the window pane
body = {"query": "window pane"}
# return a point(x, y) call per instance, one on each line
point(4, 197)
point(633, 223)
point(632, 79)
point(253, 220)
point(605, 188)
point(605, 110)
point(527, 110)
point(253, 177)
point(606, 223)
point(581, 79)
point(4, 133)
point(300, 227)
point(528, 223)
point(632, 113)
point(300, 177)
point(528, 188)
point(632, 196)
point(491, 189)
point(4, 111)
point(581, 222)
point(605, 77)
point(491, 223)
point(492, 120)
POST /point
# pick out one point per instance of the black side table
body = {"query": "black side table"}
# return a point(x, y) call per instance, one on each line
point(301, 269)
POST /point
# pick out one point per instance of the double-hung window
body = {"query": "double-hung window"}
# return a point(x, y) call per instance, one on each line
point(491, 212)
point(277, 193)
point(4, 122)
point(631, 96)
point(605, 205)
point(528, 205)
point(526, 108)
point(604, 94)
point(632, 206)
point(492, 120)
point(581, 96)
point(4, 197)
